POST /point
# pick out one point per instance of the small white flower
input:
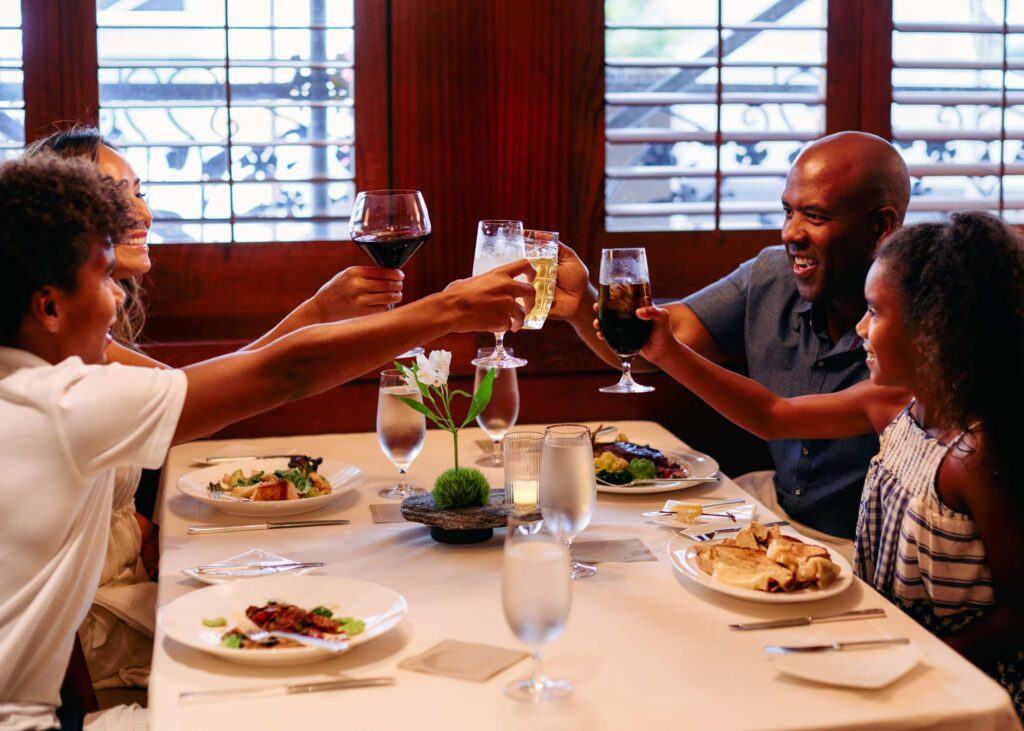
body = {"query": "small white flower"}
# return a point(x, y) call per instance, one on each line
point(441, 360)
point(433, 369)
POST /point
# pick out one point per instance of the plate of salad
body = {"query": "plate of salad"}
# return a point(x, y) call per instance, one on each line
point(627, 467)
point(272, 487)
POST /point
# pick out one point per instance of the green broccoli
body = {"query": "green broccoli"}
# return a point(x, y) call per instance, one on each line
point(615, 478)
point(642, 469)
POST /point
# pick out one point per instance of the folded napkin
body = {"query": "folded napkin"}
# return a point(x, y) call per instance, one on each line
point(387, 513)
point(623, 550)
point(463, 660)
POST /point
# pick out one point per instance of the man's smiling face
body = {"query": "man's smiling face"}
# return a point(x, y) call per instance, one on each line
point(830, 230)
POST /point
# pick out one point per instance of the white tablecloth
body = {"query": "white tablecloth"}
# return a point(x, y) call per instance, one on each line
point(644, 648)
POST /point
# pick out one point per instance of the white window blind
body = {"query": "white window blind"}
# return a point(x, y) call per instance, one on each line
point(12, 99)
point(958, 104)
point(707, 104)
point(237, 114)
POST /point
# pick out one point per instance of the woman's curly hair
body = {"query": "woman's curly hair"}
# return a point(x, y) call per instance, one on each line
point(53, 211)
point(83, 141)
point(961, 289)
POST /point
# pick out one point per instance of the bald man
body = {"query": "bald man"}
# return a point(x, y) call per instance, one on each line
point(790, 313)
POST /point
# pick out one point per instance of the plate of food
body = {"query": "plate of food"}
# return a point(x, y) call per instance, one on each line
point(627, 467)
point(220, 619)
point(769, 565)
point(271, 487)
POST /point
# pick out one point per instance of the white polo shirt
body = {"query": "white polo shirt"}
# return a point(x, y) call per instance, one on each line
point(63, 430)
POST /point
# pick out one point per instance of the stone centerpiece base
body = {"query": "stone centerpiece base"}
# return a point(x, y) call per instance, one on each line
point(462, 525)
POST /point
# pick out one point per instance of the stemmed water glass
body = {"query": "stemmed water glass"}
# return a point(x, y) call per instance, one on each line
point(389, 226)
point(568, 489)
point(503, 408)
point(536, 594)
point(625, 287)
point(498, 243)
point(400, 429)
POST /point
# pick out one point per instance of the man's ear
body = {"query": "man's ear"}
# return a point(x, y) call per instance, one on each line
point(887, 221)
point(47, 308)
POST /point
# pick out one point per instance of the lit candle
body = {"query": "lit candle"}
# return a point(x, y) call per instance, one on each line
point(524, 492)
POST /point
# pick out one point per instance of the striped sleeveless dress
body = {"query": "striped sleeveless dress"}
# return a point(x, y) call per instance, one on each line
point(922, 556)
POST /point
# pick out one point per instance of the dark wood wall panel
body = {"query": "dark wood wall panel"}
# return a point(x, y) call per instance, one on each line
point(61, 85)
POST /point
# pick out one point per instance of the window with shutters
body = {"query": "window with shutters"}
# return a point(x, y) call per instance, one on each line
point(707, 104)
point(237, 114)
point(12, 99)
point(958, 104)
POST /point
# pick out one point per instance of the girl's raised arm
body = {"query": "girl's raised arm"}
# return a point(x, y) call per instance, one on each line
point(860, 409)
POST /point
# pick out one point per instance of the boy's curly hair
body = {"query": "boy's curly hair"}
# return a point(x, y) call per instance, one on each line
point(961, 289)
point(53, 211)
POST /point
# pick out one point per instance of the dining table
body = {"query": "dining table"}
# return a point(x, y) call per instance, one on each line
point(645, 647)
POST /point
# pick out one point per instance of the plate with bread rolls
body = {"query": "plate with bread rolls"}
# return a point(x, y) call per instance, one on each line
point(271, 487)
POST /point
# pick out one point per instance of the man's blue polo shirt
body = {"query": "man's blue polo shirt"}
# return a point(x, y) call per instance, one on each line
point(756, 313)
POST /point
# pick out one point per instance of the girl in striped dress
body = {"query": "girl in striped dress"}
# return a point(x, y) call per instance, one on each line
point(940, 530)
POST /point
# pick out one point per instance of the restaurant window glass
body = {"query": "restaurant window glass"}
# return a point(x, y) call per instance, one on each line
point(12, 100)
point(707, 104)
point(958, 104)
point(237, 114)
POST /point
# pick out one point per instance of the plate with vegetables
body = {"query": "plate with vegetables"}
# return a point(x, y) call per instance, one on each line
point(627, 467)
point(220, 620)
point(273, 487)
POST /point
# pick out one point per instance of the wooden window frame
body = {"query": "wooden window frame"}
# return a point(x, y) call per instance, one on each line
point(187, 296)
point(858, 29)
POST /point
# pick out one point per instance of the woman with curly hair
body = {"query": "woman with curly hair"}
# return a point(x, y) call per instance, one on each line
point(117, 634)
point(939, 528)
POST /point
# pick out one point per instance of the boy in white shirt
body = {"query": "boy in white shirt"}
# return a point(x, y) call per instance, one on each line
point(67, 420)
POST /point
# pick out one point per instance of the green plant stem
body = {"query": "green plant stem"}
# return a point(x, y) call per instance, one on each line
point(455, 439)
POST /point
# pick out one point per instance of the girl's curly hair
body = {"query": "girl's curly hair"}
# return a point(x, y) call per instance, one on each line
point(83, 141)
point(53, 211)
point(961, 289)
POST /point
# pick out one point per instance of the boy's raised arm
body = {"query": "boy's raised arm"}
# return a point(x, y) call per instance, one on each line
point(316, 358)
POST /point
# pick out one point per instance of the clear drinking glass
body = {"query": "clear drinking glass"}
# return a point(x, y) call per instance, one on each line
point(568, 489)
point(536, 594)
point(503, 408)
point(625, 287)
point(542, 253)
point(498, 243)
point(522, 450)
point(389, 226)
point(400, 429)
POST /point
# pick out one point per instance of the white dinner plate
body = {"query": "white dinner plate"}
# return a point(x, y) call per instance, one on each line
point(682, 552)
point(382, 609)
point(252, 557)
point(867, 668)
point(343, 478)
point(698, 463)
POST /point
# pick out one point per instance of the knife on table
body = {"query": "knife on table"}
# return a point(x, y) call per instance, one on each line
point(200, 696)
point(835, 646)
point(802, 621)
point(194, 530)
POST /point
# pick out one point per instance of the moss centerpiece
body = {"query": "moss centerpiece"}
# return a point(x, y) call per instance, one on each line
point(459, 488)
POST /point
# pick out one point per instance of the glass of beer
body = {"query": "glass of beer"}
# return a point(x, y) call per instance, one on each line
point(625, 287)
point(542, 253)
